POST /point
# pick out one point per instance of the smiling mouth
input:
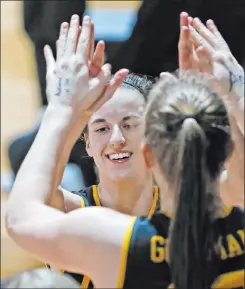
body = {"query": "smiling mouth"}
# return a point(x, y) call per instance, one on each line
point(120, 157)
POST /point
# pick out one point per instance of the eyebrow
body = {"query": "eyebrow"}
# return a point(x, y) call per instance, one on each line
point(129, 117)
point(100, 120)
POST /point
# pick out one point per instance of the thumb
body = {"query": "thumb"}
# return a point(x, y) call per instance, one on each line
point(110, 88)
point(49, 57)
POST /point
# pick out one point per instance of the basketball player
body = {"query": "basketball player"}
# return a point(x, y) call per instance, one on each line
point(129, 191)
point(187, 142)
point(116, 130)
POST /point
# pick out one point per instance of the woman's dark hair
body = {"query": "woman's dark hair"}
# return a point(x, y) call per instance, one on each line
point(188, 129)
point(139, 82)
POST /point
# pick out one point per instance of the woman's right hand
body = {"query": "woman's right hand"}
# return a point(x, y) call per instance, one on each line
point(70, 84)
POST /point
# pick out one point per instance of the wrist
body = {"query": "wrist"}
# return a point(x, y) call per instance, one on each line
point(64, 122)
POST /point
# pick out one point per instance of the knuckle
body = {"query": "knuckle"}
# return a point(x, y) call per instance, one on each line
point(83, 41)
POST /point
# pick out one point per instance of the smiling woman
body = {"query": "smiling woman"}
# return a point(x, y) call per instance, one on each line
point(113, 138)
point(115, 133)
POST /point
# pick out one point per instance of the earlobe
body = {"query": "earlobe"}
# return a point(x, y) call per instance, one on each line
point(148, 156)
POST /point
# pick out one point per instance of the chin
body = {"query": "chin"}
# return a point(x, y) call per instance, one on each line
point(122, 176)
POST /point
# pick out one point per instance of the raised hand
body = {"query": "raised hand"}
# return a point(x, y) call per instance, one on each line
point(215, 56)
point(188, 59)
point(77, 79)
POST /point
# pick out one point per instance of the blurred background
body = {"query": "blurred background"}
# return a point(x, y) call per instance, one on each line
point(22, 99)
point(139, 35)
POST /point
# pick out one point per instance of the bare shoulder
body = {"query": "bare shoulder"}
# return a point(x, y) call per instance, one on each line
point(65, 201)
point(72, 201)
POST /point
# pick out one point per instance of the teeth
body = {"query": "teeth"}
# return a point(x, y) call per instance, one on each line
point(119, 156)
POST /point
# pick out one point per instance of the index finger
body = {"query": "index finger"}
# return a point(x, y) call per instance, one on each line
point(185, 49)
point(84, 40)
point(183, 19)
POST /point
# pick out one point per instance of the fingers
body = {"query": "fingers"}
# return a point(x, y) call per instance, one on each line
point(49, 57)
point(213, 28)
point(190, 20)
point(197, 40)
point(62, 40)
point(78, 35)
point(204, 32)
point(183, 19)
point(91, 42)
point(98, 84)
point(110, 88)
point(84, 40)
point(205, 60)
point(72, 36)
point(97, 59)
point(185, 49)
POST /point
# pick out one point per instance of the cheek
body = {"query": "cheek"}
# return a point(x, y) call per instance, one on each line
point(136, 137)
point(98, 143)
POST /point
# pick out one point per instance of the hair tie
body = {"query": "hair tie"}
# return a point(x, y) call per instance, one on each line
point(194, 116)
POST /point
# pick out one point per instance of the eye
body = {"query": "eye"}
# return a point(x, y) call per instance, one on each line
point(127, 126)
point(102, 129)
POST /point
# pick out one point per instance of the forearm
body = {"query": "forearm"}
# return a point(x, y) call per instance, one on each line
point(41, 172)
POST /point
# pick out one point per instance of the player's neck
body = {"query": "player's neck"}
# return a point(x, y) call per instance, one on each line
point(131, 197)
point(167, 202)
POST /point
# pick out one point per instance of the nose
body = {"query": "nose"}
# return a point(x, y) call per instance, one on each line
point(117, 139)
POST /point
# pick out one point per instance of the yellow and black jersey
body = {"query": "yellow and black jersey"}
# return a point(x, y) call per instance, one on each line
point(90, 197)
point(144, 262)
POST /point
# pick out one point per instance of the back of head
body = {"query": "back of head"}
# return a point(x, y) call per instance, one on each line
point(40, 278)
point(188, 129)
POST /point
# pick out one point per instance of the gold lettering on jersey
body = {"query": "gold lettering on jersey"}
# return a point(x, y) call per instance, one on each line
point(159, 252)
point(159, 247)
point(241, 234)
point(233, 246)
point(220, 248)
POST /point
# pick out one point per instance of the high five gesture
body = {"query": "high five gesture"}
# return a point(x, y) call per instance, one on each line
point(78, 79)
